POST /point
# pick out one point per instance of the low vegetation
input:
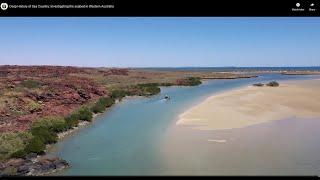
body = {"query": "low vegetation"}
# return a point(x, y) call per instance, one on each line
point(54, 123)
point(36, 145)
point(145, 89)
point(119, 94)
point(166, 84)
point(46, 135)
point(193, 81)
point(12, 142)
point(189, 81)
point(44, 131)
point(148, 89)
point(258, 84)
point(85, 114)
point(30, 83)
point(102, 104)
point(273, 84)
point(33, 106)
point(72, 120)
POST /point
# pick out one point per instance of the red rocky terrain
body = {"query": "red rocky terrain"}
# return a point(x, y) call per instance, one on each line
point(30, 92)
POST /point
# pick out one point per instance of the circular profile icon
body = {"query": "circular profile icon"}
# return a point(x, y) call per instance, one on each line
point(4, 6)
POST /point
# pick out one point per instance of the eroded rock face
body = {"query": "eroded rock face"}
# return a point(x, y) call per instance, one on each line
point(31, 92)
point(32, 165)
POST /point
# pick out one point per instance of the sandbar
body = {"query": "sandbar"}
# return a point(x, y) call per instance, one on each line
point(253, 105)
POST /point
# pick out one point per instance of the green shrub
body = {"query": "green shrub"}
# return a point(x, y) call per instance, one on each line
point(30, 83)
point(149, 89)
point(166, 84)
point(273, 84)
point(54, 123)
point(118, 94)
point(12, 142)
point(85, 114)
point(98, 108)
point(194, 81)
point(106, 101)
point(258, 84)
point(19, 154)
point(152, 90)
point(47, 135)
point(33, 106)
point(102, 104)
point(189, 81)
point(72, 120)
point(149, 85)
point(41, 136)
point(59, 126)
point(36, 145)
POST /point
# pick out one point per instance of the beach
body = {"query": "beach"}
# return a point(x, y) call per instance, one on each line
point(253, 105)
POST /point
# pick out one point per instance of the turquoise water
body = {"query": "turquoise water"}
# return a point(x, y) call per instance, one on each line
point(128, 138)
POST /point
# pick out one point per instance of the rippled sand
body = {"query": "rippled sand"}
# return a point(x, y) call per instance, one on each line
point(253, 105)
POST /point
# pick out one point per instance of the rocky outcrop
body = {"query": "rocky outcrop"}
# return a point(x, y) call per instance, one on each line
point(30, 92)
point(32, 165)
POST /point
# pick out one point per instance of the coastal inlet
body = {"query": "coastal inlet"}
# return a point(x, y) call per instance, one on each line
point(138, 137)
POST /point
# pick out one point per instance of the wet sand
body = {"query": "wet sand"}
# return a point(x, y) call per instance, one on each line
point(253, 105)
point(284, 147)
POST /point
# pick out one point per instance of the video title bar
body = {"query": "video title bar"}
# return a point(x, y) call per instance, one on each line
point(158, 8)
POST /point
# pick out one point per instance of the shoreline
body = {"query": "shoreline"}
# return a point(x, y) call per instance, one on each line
point(36, 160)
point(74, 130)
point(83, 124)
point(258, 105)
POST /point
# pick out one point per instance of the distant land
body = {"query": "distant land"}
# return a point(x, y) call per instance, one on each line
point(236, 69)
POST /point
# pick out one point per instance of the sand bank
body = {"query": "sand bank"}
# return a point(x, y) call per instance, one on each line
point(253, 105)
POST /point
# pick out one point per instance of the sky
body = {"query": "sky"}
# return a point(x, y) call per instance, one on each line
point(160, 41)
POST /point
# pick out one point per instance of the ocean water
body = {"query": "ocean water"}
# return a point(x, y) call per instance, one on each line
point(232, 69)
point(135, 137)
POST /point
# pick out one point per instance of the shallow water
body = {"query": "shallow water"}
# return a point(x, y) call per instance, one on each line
point(283, 147)
point(135, 137)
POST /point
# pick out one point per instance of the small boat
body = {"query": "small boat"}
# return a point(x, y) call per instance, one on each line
point(167, 97)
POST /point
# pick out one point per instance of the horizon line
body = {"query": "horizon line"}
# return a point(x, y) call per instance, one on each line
point(318, 66)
